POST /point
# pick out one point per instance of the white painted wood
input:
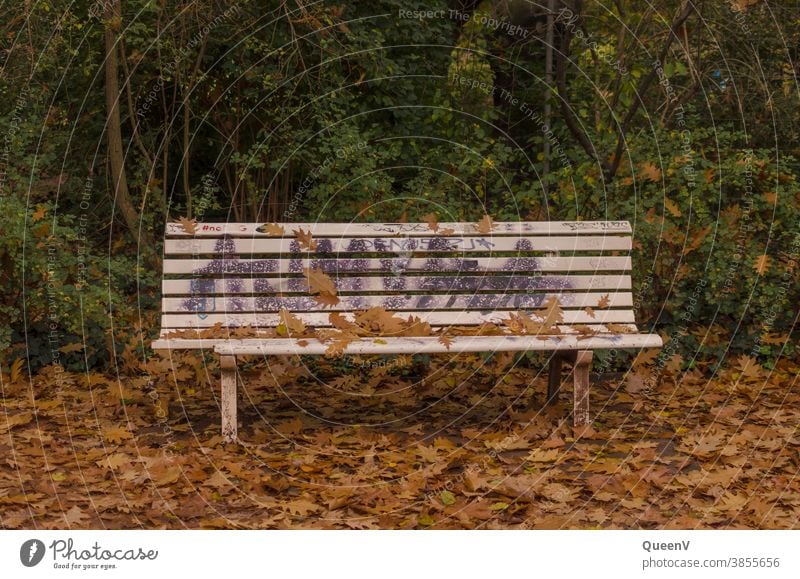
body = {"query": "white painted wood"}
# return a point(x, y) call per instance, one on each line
point(228, 397)
point(433, 318)
point(398, 265)
point(396, 303)
point(390, 246)
point(409, 229)
point(396, 284)
point(432, 345)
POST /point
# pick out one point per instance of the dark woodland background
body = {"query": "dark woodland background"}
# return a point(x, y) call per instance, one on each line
point(118, 116)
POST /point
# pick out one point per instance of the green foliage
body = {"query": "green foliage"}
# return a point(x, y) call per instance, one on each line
point(275, 111)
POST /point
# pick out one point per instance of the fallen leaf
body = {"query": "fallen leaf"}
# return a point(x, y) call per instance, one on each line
point(433, 221)
point(650, 172)
point(305, 239)
point(672, 207)
point(291, 322)
point(446, 341)
point(39, 214)
point(189, 225)
point(272, 230)
point(762, 264)
point(74, 347)
point(117, 435)
point(485, 225)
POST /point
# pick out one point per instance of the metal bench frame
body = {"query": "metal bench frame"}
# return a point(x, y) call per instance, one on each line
point(235, 274)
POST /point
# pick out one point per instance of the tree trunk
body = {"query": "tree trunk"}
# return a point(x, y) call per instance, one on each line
point(116, 158)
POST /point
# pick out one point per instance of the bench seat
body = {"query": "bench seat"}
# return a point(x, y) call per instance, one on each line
point(421, 345)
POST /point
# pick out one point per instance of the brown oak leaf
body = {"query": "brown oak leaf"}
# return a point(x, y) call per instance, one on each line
point(485, 225)
point(305, 239)
point(188, 225)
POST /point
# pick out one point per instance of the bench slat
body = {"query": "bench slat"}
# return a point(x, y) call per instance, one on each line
point(396, 284)
point(249, 246)
point(431, 345)
point(164, 342)
point(398, 265)
point(395, 302)
point(400, 229)
point(434, 318)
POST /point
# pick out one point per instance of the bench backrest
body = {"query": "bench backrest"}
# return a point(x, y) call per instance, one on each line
point(238, 275)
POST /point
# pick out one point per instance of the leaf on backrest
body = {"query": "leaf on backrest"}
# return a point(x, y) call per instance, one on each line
point(589, 312)
point(272, 229)
point(321, 283)
point(188, 225)
point(584, 331)
point(552, 312)
point(292, 323)
point(338, 321)
point(378, 320)
point(304, 239)
point(619, 329)
point(432, 220)
point(604, 302)
point(416, 327)
point(485, 225)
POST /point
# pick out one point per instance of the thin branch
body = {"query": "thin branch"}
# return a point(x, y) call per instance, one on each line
point(644, 84)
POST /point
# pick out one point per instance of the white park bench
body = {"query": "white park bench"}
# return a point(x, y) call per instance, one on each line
point(236, 274)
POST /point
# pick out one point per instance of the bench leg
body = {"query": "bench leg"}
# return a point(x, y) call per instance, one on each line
point(554, 378)
point(228, 398)
point(582, 365)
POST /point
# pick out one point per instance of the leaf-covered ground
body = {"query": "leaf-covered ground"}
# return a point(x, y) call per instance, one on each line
point(367, 446)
